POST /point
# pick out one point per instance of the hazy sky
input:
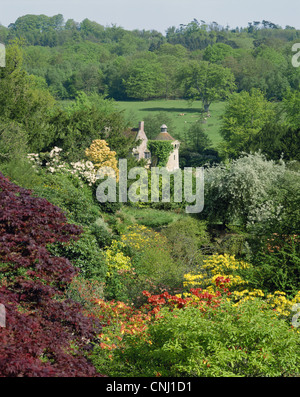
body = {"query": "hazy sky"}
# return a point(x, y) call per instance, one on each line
point(158, 14)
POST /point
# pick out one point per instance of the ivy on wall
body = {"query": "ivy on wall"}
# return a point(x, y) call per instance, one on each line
point(160, 152)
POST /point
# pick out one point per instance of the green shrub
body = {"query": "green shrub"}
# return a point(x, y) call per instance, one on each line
point(101, 233)
point(187, 238)
point(71, 195)
point(151, 256)
point(84, 254)
point(228, 341)
point(276, 265)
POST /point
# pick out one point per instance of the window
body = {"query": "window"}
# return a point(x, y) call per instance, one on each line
point(136, 156)
point(147, 155)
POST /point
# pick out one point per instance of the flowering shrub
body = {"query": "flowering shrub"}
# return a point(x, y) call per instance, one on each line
point(245, 190)
point(201, 335)
point(278, 301)
point(218, 266)
point(101, 156)
point(120, 320)
point(115, 258)
point(84, 170)
point(228, 267)
point(248, 341)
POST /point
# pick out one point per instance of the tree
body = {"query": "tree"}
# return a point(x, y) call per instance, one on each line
point(24, 98)
point(217, 52)
point(145, 79)
point(206, 82)
point(88, 78)
point(197, 138)
point(245, 191)
point(277, 140)
point(291, 105)
point(88, 118)
point(245, 115)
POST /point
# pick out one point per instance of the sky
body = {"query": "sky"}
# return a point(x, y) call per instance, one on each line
point(158, 14)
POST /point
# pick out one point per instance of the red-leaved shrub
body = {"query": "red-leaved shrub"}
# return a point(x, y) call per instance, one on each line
point(45, 334)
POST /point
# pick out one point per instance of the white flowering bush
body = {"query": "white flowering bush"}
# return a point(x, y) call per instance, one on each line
point(244, 191)
point(84, 170)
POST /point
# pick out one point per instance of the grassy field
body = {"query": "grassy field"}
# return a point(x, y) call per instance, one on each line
point(181, 112)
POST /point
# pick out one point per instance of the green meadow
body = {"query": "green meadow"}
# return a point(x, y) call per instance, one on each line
point(182, 113)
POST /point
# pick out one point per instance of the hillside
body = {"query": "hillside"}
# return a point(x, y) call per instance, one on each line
point(93, 285)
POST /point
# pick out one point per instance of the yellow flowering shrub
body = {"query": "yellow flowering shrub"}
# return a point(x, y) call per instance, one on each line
point(140, 238)
point(226, 266)
point(278, 300)
point(115, 259)
point(101, 156)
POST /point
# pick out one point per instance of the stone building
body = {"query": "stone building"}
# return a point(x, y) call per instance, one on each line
point(142, 152)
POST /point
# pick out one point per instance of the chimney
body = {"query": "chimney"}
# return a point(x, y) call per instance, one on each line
point(141, 126)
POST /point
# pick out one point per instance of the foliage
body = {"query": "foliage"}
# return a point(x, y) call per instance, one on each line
point(188, 239)
point(217, 52)
point(291, 104)
point(13, 141)
point(46, 334)
point(207, 82)
point(145, 79)
point(85, 254)
point(89, 57)
point(88, 118)
point(243, 191)
point(197, 138)
point(160, 150)
point(33, 105)
point(220, 338)
point(277, 141)
point(101, 156)
point(245, 116)
point(277, 264)
point(73, 197)
point(151, 256)
point(228, 341)
point(233, 269)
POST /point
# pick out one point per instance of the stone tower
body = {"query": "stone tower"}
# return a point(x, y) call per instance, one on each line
point(173, 161)
point(142, 152)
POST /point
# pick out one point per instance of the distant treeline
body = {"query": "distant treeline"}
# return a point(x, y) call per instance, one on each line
point(72, 56)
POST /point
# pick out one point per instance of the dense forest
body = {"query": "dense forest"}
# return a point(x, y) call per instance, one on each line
point(86, 56)
point(144, 289)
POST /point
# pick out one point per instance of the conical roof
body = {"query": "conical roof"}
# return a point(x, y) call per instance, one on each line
point(164, 135)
